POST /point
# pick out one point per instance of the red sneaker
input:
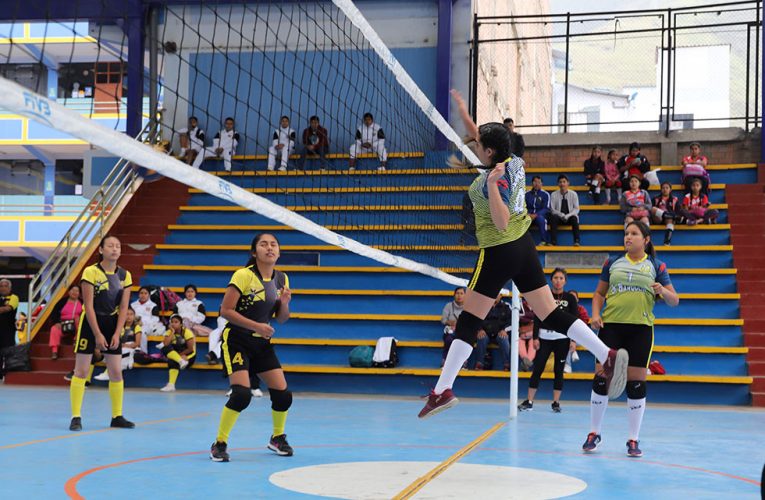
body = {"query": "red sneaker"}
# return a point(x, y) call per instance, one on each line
point(615, 372)
point(437, 403)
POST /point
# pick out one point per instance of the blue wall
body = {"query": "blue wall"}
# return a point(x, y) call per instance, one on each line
point(338, 86)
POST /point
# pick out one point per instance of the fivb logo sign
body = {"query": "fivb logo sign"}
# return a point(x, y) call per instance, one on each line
point(37, 107)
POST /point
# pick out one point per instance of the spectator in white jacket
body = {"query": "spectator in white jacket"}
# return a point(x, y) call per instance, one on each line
point(192, 141)
point(564, 210)
point(192, 310)
point(283, 144)
point(224, 146)
point(370, 138)
point(213, 354)
point(148, 311)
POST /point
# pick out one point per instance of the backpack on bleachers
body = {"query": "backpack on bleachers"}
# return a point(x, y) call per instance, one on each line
point(361, 356)
point(164, 298)
point(385, 355)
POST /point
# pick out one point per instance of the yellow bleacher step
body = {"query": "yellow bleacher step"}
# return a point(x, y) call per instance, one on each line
point(433, 293)
point(439, 345)
point(446, 248)
point(435, 372)
point(406, 189)
point(416, 227)
point(382, 208)
point(662, 168)
point(378, 269)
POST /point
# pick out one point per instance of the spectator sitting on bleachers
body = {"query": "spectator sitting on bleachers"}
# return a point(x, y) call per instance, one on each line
point(695, 167)
point(635, 164)
point(21, 327)
point(636, 202)
point(179, 348)
point(370, 138)
point(192, 141)
point(449, 315)
point(192, 310)
point(315, 142)
point(132, 340)
point(526, 349)
point(538, 207)
point(612, 177)
point(595, 173)
point(573, 357)
point(148, 311)
point(224, 146)
point(214, 341)
point(66, 318)
point(282, 144)
point(695, 207)
point(665, 209)
point(9, 304)
point(495, 325)
point(564, 209)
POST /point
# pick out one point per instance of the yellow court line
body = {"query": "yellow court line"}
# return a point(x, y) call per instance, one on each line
point(422, 481)
point(87, 433)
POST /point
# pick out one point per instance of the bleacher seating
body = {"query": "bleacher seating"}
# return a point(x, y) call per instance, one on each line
point(349, 300)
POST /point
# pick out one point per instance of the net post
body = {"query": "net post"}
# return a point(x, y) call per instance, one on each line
point(516, 309)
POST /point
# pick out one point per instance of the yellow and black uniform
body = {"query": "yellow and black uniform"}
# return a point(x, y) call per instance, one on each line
point(107, 295)
point(8, 320)
point(178, 344)
point(243, 349)
point(259, 302)
point(130, 333)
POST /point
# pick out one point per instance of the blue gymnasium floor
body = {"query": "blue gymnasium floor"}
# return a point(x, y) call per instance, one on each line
point(349, 447)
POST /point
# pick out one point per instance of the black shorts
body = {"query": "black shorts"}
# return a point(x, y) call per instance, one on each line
point(636, 339)
point(241, 351)
point(85, 342)
point(517, 261)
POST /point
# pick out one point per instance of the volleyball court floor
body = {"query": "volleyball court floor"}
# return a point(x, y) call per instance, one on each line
point(369, 448)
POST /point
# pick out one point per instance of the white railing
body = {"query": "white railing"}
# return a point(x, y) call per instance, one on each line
point(90, 226)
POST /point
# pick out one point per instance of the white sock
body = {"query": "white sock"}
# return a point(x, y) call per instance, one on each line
point(635, 409)
point(598, 406)
point(580, 333)
point(459, 352)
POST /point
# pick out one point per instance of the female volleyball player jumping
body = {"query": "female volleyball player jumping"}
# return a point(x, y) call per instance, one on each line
point(630, 285)
point(507, 252)
point(256, 293)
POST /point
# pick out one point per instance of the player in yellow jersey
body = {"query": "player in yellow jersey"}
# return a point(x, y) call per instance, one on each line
point(507, 252)
point(106, 295)
point(256, 293)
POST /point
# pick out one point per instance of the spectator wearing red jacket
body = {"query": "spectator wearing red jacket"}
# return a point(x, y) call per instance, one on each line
point(695, 207)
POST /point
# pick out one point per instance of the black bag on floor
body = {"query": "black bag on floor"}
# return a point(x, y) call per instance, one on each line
point(16, 358)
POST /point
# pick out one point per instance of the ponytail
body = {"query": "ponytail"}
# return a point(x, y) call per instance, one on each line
point(646, 232)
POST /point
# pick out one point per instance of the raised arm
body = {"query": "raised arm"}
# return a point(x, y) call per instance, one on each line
point(467, 120)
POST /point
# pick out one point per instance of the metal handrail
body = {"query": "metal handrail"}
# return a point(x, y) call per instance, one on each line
point(89, 226)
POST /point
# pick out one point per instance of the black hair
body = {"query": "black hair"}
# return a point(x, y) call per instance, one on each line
point(283, 117)
point(193, 118)
point(631, 177)
point(144, 288)
point(369, 115)
point(561, 270)
point(314, 117)
point(102, 243)
point(562, 176)
point(496, 136)
point(535, 178)
point(229, 118)
point(176, 316)
point(574, 293)
point(694, 143)
point(596, 147)
point(253, 260)
point(611, 151)
point(193, 287)
point(668, 184)
point(646, 232)
point(459, 288)
point(635, 145)
point(508, 120)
